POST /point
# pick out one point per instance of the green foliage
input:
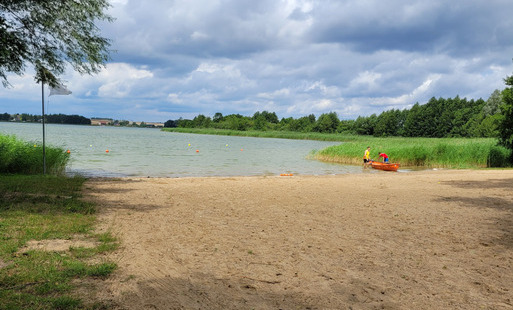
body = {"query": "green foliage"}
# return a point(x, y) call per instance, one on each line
point(170, 124)
point(49, 34)
point(262, 119)
point(506, 122)
point(327, 123)
point(443, 118)
point(390, 123)
point(492, 106)
point(67, 119)
point(201, 121)
point(17, 156)
point(66, 302)
point(218, 117)
point(5, 117)
point(365, 125)
point(438, 118)
point(499, 157)
point(50, 118)
point(302, 124)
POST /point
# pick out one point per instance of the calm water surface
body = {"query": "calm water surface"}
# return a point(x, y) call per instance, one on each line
point(151, 152)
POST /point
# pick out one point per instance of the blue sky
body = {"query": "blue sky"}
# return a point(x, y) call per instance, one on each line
point(182, 58)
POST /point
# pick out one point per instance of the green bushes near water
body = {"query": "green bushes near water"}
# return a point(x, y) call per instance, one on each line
point(18, 156)
point(422, 152)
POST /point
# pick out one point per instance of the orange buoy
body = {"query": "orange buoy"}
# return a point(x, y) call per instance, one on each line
point(197, 151)
point(106, 151)
point(68, 151)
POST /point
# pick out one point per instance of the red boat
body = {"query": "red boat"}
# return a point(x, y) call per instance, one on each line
point(385, 166)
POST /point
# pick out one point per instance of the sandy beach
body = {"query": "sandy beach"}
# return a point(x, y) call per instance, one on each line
point(417, 240)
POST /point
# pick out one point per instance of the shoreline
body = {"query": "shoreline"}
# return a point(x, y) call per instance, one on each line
point(369, 170)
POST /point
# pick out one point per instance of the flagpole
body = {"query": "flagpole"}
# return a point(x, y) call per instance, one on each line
point(43, 107)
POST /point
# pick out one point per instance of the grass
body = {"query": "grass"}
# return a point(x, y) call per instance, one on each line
point(422, 152)
point(17, 156)
point(44, 208)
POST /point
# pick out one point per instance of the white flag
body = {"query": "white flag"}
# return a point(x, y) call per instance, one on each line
point(59, 90)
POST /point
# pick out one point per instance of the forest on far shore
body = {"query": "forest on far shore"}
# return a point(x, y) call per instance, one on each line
point(438, 118)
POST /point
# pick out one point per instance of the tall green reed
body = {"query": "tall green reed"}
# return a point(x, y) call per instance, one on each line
point(17, 156)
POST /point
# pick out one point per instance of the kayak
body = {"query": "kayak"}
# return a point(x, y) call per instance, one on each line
point(385, 166)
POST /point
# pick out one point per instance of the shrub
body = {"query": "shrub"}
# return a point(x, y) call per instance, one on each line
point(18, 156)
point(498, 157)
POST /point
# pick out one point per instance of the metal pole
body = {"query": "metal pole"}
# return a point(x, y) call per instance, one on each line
point(43, 121)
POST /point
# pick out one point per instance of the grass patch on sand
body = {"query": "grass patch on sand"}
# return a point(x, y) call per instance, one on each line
point(43, 209)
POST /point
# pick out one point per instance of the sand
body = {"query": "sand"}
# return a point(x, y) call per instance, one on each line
point(417, 240)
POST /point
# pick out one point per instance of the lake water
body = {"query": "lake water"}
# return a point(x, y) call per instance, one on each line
point(151, 152)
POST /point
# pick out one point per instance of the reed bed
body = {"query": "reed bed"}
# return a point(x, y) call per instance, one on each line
point(17, 156)
point(422, 152)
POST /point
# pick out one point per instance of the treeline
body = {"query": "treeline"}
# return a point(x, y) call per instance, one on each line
point(50, 118)
point(451, 117)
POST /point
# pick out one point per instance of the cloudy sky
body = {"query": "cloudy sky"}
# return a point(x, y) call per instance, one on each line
point(182, 58)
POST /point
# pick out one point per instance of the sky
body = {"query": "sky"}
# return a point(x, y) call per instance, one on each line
point(182, 58)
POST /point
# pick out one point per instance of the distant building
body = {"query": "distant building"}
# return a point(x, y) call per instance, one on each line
point(158, 125)
point(150, 124)
point(101, 121)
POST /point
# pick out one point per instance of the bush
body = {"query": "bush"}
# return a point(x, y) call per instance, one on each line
point(499, 157)
point(18, 156)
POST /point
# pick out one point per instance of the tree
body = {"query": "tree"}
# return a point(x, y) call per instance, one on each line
point(305, 123)
point(327, 123)
point(346, 126)
point(201, 121)
point(365, 125)
point(170, 124)
point(389, 123)
point(493, 103)
point(48, 34)
point(5, 117)
point(218, 117)
point(506, 124)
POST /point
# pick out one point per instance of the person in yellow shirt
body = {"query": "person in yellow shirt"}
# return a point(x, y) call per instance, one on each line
point(366, 157)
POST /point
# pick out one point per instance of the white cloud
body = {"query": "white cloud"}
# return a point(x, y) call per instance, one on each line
point(366, 79)
point(116, 80)
point(174, 98)
point(197, 35)
point(275, 94)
